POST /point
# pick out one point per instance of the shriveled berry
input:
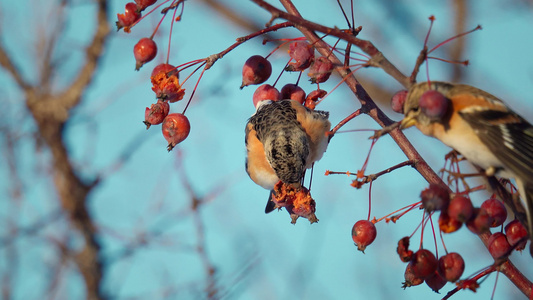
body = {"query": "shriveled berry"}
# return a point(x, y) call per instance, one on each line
point(176, 128)
point(434, 104)
point(313, 97)
point(165, 83)
point(516, 234)
point(498, 245)
point(156, 113)
point(320, 70)
point(144, 51)
point(451, 266)
point(403, 249)
point(436, 281)
point(447, 224)
point(363, 234)
point(410, 278)
point(143, 4)
point(460, 209)
point(496, 210)
point(424, 263)
point(165, 68)
point(130, 16)
point(302, 55)
point(256, 70)
point(398, 100)
point(265, 92)
point(480, 222)
point(436, 197)
point(293, 92)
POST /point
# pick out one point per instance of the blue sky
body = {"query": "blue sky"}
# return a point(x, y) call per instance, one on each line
point(256, 256)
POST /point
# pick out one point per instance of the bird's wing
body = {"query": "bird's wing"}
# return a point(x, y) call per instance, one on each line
point(507, 135)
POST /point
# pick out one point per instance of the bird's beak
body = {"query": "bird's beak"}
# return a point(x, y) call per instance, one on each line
point(408, 121)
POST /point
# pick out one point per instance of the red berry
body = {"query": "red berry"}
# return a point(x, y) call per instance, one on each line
point(436, 281)
point(496, 210)
point(434, 104)
point(447, 224)
point(436, 197)
point(460, 209)
point(144, 51)
point(363, 234)
point(293, 92)
point(320, 70)
point(480, 222)
point(398, 100)
point(156, 113)
point(167, 69)
point(410, 278)
point(256, 70)
point(165, 83)
point(302, 55)
point(130, 16)
point(265, 92)
point(516, 234)
point(498, 245)
point(403, 250)
point(142, 4)
point(451, 266)
point(424, 263)
point(175, 129)
point(313, 97)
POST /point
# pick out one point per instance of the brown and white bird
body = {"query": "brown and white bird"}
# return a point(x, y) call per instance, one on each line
point(283, 139)
point(480, 127)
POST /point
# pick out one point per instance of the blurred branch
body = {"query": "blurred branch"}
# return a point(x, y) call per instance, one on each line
point(457, 50)
point(51, 112)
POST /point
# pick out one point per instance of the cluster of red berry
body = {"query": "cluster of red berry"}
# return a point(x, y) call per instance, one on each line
point(257, 69)
point(164, 78)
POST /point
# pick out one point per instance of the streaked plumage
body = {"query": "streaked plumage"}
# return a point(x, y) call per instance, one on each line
point(283, 139)
point(484, 130)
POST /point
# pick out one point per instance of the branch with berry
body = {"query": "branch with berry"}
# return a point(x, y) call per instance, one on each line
point(448, 194)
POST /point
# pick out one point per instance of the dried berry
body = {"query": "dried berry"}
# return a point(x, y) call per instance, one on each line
point(156, 113)
point(320, 70)
point(165, 83)
point(130, 16)
point(447, 224)
point(436, 197)
point(410, 278)
point(302, 55)
point(403, 249)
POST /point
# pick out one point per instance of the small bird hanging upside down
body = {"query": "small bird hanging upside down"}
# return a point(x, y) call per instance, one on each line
point(283, 139)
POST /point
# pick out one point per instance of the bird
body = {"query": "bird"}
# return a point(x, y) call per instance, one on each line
point(283, 139)
point(483, 129)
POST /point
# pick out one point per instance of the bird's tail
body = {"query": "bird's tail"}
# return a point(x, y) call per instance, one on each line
point(270, 204)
